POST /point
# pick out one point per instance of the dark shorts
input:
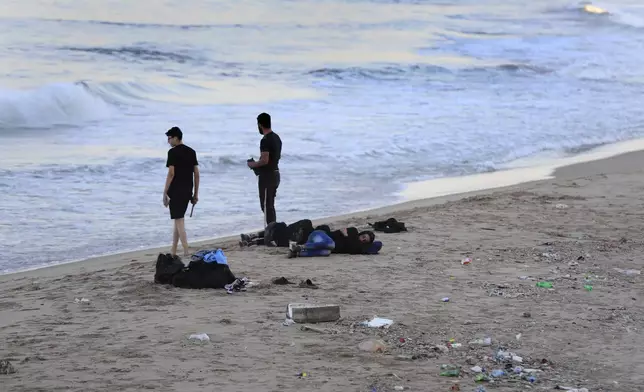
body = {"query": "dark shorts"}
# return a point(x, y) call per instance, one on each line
point(178, 207)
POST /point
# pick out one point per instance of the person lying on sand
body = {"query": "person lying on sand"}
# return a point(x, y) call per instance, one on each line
point(279, 234)
point(323, 242)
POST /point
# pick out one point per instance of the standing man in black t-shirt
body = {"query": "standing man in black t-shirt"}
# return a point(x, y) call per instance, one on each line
point(182, 166)
point(267, 168)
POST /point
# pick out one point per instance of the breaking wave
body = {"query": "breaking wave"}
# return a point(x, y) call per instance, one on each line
point(51, 105)
point(71, 104)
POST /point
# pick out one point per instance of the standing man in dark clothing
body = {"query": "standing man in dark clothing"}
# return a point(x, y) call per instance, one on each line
point(182, 166)
point(267, 168)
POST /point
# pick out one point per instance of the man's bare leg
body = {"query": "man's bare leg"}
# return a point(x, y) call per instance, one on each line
point(175, 239)
point(181, 228)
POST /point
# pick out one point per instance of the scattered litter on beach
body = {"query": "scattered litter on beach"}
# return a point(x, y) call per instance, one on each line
point(373, 346)
point(450, 371)
point(81, 300)
point(201, 337)
point(308, 328)
point(378, 322)
point(481, 342)
point(628, 272)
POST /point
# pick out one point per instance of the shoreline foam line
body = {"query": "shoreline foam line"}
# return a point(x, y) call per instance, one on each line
point(429, 192)
point(517, 172)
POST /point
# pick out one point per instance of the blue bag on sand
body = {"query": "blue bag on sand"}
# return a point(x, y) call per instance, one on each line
point(217, 256)
point(220, 257)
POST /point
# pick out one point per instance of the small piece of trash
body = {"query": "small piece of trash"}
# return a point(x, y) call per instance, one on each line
point(399, 388)
point(629, 272)
point(466, 261)
point(303, 375)
point(571, 389)
point(482, 342)
point(373, 346)
point(81, 300)
point(201, 336)
point(446, 299)
point(497, 373)
point(561, 206)
point(378, 322)
point(288, 322)
point(477, 369)
point(518, 336)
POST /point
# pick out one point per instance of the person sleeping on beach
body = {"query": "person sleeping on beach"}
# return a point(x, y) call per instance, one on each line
point(323, 242)
point(279, 234)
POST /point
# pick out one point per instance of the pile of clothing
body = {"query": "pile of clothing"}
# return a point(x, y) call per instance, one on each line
point(206, 270)
point(390, 225)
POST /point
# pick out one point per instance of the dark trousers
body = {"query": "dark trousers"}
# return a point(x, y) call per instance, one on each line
point(268, 184)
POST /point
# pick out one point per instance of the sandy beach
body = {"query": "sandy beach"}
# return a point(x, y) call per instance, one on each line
point(581, 228)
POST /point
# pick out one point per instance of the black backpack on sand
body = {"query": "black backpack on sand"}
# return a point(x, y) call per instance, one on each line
point(167, 267)
point(202, 275)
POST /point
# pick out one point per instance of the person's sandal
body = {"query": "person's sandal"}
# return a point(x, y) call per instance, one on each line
point(308, 284)
point(281, 281)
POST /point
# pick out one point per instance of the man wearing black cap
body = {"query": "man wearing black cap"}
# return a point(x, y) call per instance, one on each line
point(267, 168)
point(182, 166)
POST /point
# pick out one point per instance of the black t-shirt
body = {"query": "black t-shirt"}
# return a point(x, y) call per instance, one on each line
point(273, 144)
point(184, 159)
